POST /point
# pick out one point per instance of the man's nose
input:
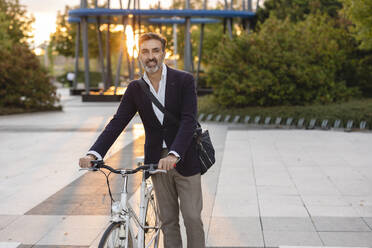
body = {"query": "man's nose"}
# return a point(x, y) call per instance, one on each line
point(151, 55)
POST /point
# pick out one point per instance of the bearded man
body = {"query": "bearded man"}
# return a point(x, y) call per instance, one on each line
point(169, 144)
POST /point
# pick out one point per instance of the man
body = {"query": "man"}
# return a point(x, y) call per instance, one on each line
point(167, 143)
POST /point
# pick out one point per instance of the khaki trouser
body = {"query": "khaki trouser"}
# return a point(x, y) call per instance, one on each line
point(169, 187)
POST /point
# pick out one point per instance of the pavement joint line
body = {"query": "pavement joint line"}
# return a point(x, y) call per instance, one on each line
point(258, 200)
point(217, 180)
point(26, 129)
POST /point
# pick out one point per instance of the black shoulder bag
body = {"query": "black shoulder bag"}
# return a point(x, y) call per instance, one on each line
point(205, 149)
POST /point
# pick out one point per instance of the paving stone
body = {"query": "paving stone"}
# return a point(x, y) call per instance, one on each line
point(70, 236)
point(280, 199)
point(9, 244)
point(235, 232)
point(324, 200)
point(332, 211)
point(332, 224)
point(280, 238)
point(283, 210)
point(29, 229)
point(235, 206)
point(7, 219)
point(346, 238)
point(296, 224)
point(277, 190)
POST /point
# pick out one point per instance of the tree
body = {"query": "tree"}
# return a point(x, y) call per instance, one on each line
point(297, 10)
point(359, 13)
point(23, 81)
point(18, 23)
point(63, 39)
point(285, 63)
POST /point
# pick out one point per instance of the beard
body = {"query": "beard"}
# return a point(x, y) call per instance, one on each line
point(151, 68)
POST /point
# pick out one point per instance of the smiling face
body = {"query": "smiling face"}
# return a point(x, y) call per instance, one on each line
point(151, 55)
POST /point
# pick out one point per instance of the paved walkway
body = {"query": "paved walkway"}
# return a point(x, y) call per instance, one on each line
point(269, 188)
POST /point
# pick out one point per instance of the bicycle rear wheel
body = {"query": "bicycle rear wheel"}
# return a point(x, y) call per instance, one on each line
point(111, 238)
point(152, 220)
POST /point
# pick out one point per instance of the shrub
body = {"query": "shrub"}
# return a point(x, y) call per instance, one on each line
point(285, 63)
point(23, 82)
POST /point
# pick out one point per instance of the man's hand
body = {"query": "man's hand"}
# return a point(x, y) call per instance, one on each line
point(168, 162)
point(85, 162)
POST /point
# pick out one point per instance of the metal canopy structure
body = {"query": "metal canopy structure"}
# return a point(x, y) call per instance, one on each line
point(161, 12)
point(137, 17)
point(150, 20)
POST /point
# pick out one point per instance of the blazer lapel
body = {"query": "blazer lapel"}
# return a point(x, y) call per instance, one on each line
point(169, 86)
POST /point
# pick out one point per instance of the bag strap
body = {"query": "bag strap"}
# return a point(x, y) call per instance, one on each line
point(153, 99)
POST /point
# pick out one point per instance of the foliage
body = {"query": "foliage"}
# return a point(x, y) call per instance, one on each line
point(360, 14)
point(24, 84)
point(63, 39)
point(297, 10)
point(16, 25)
point(95, 78)
point(356, 110)
point(285, 63)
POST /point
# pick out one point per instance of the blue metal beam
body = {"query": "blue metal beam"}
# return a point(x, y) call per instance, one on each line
point(182, 21)
point(151, 20)
point(160, 12)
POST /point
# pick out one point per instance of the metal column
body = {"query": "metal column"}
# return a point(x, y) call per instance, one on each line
point(77, 51)
point(84, 22)
point(187, 55)
point(175, 52)
point(100, 50)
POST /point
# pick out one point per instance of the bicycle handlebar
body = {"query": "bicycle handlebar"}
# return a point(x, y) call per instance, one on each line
point(98, 164)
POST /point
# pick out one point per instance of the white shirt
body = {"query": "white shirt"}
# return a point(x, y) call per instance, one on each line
point(160, 95)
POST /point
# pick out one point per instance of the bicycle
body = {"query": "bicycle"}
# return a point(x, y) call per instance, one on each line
point(120, 234)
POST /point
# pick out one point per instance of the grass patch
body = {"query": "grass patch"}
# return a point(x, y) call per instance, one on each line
point(15, 110)
point(356, 110)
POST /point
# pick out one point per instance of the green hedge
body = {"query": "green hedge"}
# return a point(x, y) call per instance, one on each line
point(356, 110)
point(285, 63)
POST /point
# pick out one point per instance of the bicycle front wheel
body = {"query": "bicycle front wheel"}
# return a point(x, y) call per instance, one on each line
point(114, 238)
point(152, 234)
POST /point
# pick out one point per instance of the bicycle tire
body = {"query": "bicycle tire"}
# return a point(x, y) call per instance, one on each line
point(151, 219)
point(113, 230)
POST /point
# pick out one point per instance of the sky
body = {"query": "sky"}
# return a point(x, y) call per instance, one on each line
point(45, 13)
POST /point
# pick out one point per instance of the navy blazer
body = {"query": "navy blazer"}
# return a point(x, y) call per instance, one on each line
point(180, 100)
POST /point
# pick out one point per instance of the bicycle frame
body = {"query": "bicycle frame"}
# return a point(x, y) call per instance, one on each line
point(125, 212)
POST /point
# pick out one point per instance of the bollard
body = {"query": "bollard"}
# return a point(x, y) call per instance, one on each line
point(349, 125)
point(209, 117)
point(246, 119)
point(201, 116)
point(324, 124)
point(289, 121)
point(278, 120)
point(312, 124)
point(257, 120)
point(337, 124)
point(363, 125)
point(300, 123)
point(236, 119)
point(267, 120)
